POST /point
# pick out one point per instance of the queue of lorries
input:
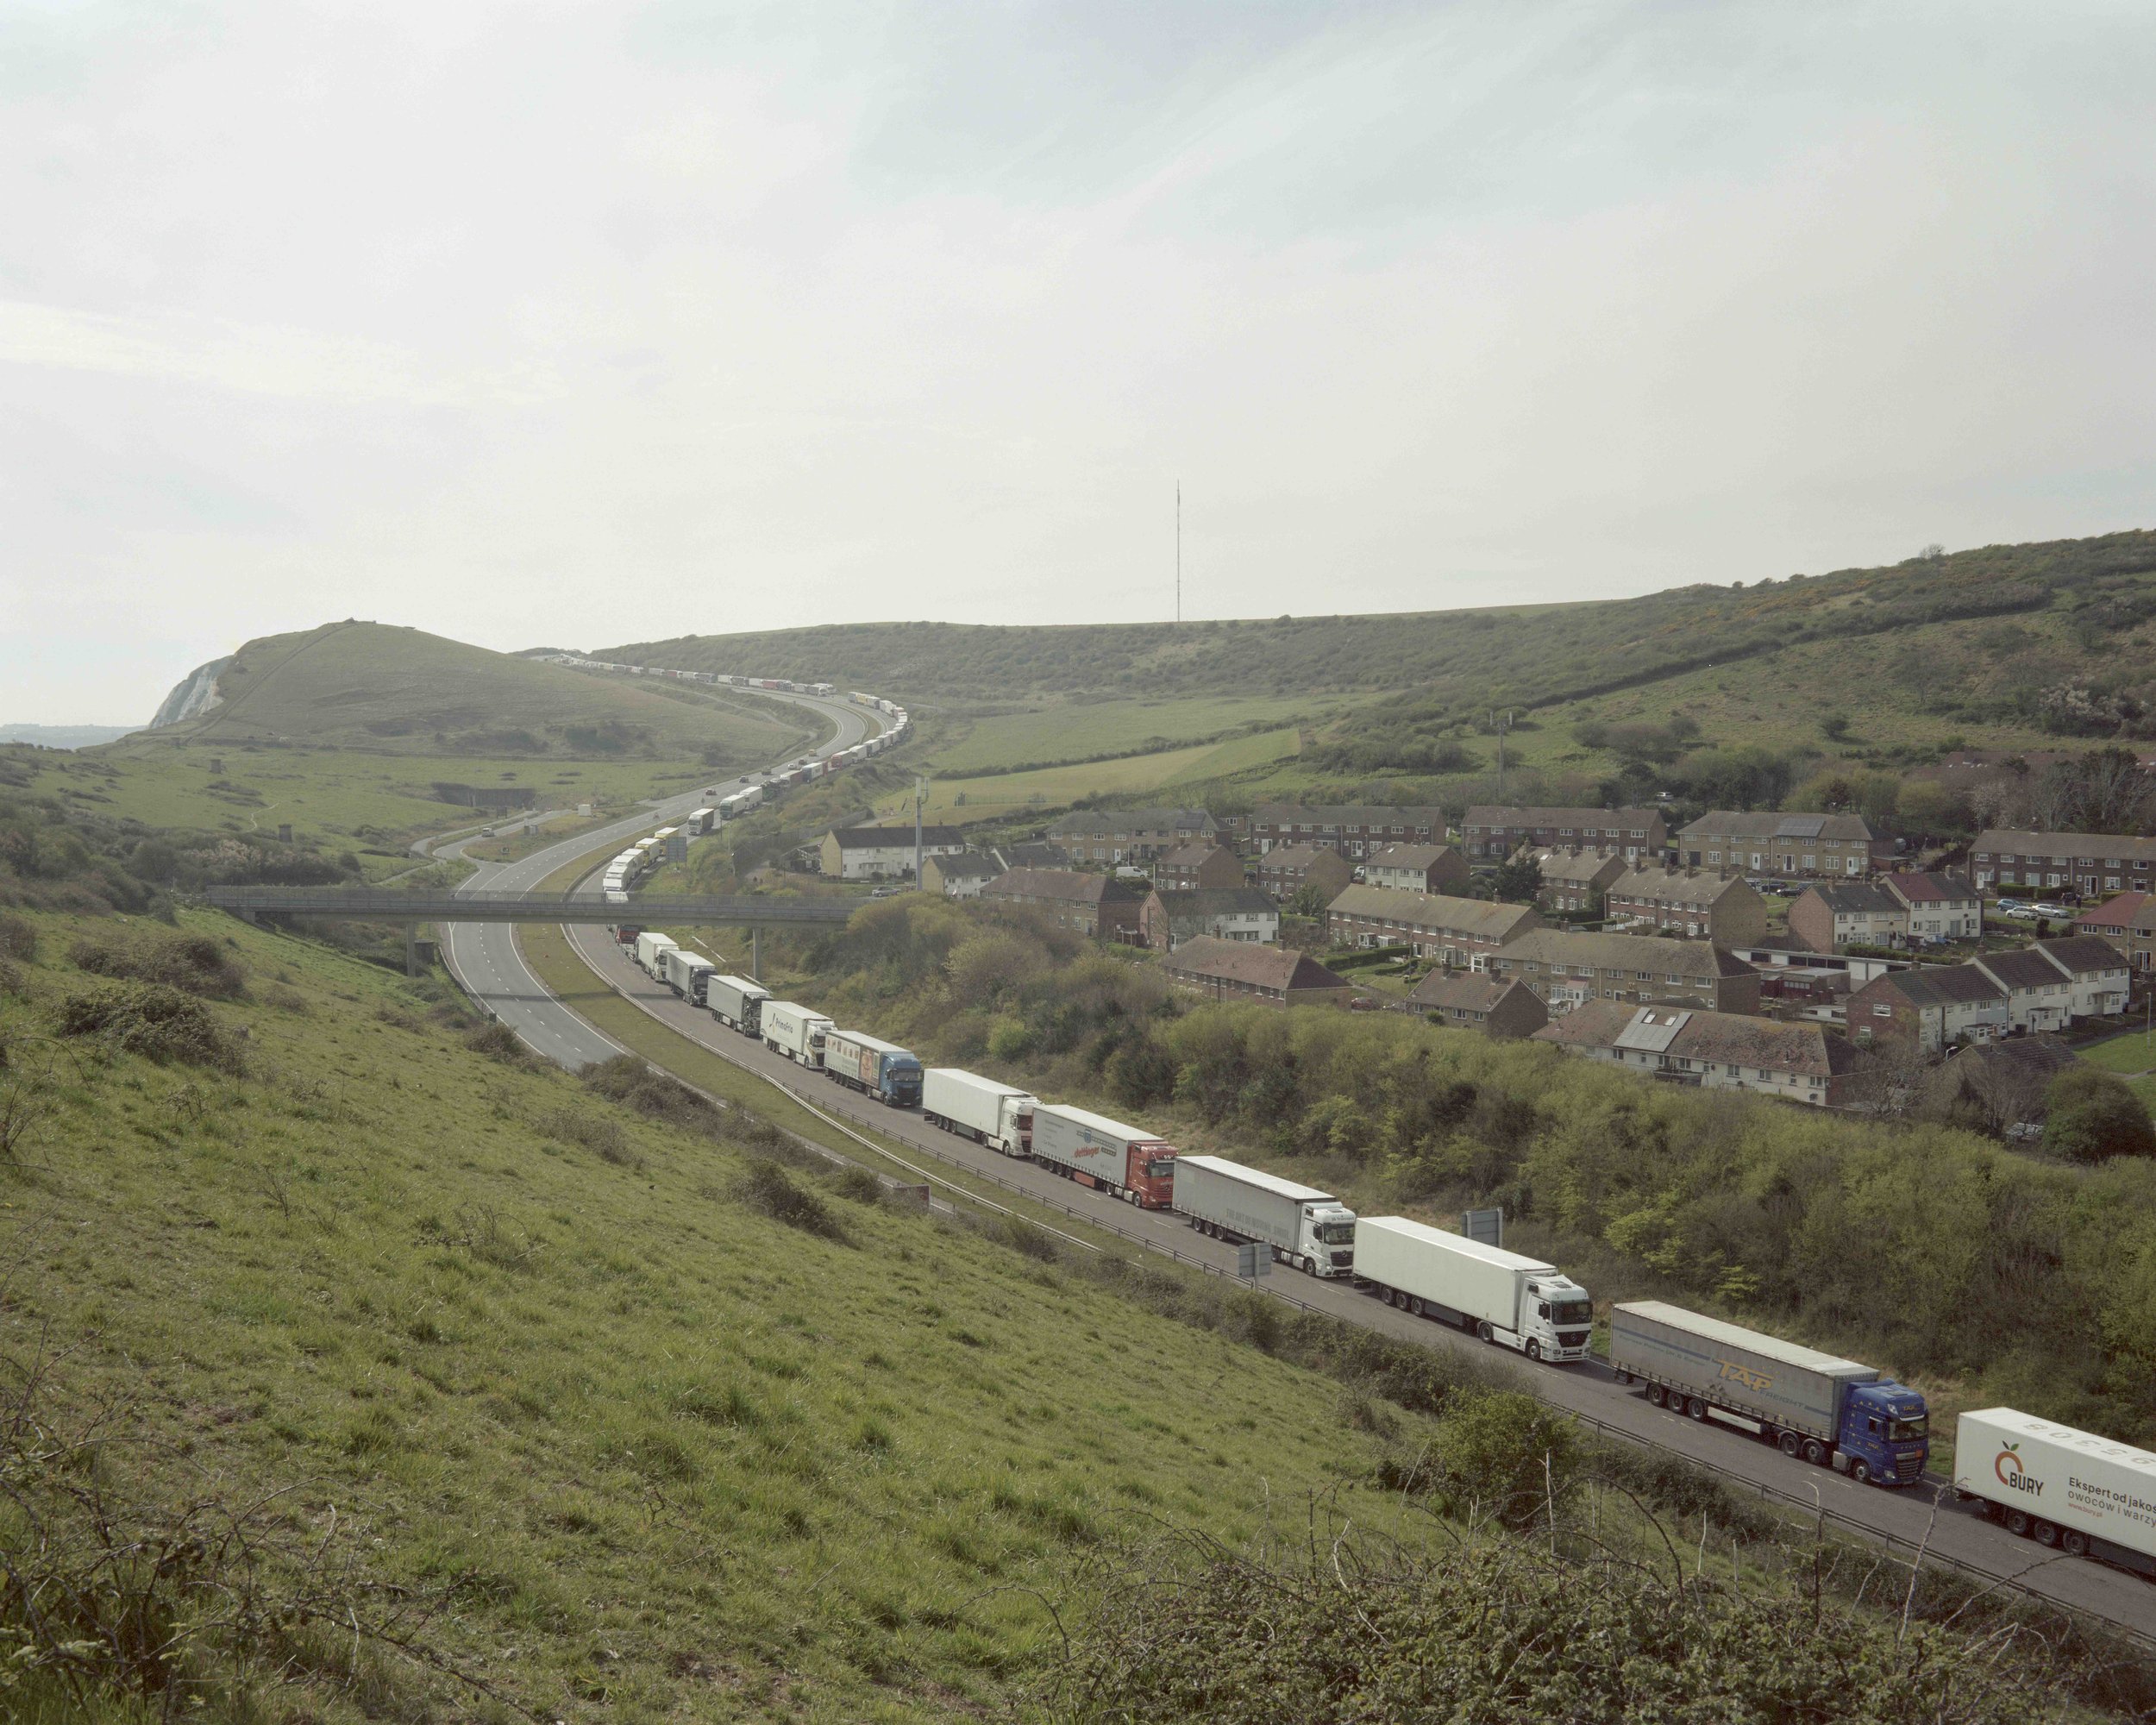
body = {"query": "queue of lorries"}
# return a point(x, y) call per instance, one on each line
point(2082, 1493)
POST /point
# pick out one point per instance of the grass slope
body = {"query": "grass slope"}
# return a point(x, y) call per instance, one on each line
point(370, 685)
point(678, 1457)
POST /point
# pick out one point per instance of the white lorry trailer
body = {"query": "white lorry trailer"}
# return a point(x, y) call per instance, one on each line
point(985, 1110)
point(651, 949)
point(1830, 1412)
point(2084, 1495)
point(1500, 1296)
point(737, 1002)
point(796, 1031)
point(1310, 1229)
point(1128, 1161)
point(684, 972)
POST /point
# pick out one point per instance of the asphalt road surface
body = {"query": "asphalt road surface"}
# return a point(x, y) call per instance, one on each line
point(485, 957)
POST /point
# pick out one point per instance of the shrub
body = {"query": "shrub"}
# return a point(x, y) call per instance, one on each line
point(2093, 1116)
point(195, 964)
point(767, 1187)
point(604, 1138)
point(497, 1041)
point(18, 937)
point(1509, 1453)
point(151, 1019)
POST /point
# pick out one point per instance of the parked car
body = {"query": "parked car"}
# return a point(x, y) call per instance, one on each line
point(2049, 909)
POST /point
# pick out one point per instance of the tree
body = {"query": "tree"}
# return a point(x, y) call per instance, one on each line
point(2094, 1117)
point(1519, 881)
point(1834, 726)
point(1309, 900)
point(2103, 791)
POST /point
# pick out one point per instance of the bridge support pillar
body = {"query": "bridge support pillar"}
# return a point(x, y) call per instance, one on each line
point(411, 949)
point(755, 965)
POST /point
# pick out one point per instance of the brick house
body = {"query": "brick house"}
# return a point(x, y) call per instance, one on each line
point(1235, 970)
point(1096, 905)
point(1198, 865)
point(2128, 923)
point(1799, 1063)
point(961, 874)
point(2100, 980)
point(1165, 920)
point(1941, 907)
point(883, 853)
point(1354, 830)
point(1466, 1000)
point(1701, 906)
point(1822, 845)
point(1285, 869)
point(1836, 915)
point(1455, 932)
point(1934, 1006)
point(1109, 836)
point(2087, 864)
point(1489, 833)
point(1572, 878)
point(1569, 967)
point(1417, 868)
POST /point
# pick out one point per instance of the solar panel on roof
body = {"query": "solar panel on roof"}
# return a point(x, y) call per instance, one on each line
point(1801, 826)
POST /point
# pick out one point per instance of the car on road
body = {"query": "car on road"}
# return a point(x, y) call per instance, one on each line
point(2049, 909)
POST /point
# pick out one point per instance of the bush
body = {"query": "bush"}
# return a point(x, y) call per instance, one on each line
point(194, 964)
point(604, 1138)
point(18, 937)
point(151, 1019)
point(497, 1041)
point(767, 1187)
point(2093, 1117)
point(1508, 1453)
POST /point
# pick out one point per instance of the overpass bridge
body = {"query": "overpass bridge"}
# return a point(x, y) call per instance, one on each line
point(748, 910)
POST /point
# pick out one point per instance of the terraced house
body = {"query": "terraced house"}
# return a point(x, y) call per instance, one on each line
point(1569, 967)
point(1098, 905)
point(2129, 924)
point(1466, 1000)
point(2086, 864)
point(1455, 932)
point(1836, 915)
point(1286, 869)
point(1764, 843)
point(1417, 868)
point(1166, 920)
point(1687, 901)
point(1129, 835)
point(1941, 907)
point(1576, 879)
point(1355, 830)
point(1799, 1063)
point(1490, 833)
point(1198, 865)
point(1235, 971)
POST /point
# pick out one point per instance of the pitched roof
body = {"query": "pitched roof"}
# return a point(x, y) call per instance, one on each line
point(1940, 985)
point(965, 865)
point(1420, 856)
point(1190, 855)
point(1575, 868)
point(892, 837)
point(1478, 918)
point(1034, 854)
point(1770, 824)
point(1842, 897)
point(1181, 903)
point(1677, 887)
point(1733, 1038)
point(2125, 910)
point(2042, 1054)
point(2024, 967)
point(1133, 820)
point(1656, 953)
point(1499, 814)
point(1348, 814)
point(2083, 955)
point(1464, 991)
point(1296, 855)
point(1070, 886)
point(1208, 958)
point(1941, 889)
point(2001, 841)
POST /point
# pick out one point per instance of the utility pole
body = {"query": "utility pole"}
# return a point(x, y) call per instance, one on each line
point(1179, 551)
point(920, 784)
point(1500, 726)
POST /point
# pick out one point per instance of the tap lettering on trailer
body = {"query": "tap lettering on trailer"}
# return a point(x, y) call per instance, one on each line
point(1745, 1375)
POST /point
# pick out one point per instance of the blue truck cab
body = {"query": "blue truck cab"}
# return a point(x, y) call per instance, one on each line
point(1887, 1427)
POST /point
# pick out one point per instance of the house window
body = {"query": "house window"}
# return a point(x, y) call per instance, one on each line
point(1882, 1011)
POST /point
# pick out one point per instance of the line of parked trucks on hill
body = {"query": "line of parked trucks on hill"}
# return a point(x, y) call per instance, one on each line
point(2078, 1492)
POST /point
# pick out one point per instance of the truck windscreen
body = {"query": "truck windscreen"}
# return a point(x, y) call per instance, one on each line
point(1908, 1431)
point(1161, 1168)
point(1337, 1233)
point(1572, 1311)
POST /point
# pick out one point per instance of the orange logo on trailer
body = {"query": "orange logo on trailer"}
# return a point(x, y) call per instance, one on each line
point(1745, 1376)
point(2007, 1466)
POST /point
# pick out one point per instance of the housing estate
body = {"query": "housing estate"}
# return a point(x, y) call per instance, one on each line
point(1765, 843)
point(2045, 986)
point(1096, 905)
point(882, 853)
point(1491, 833)
point(1799, 1063)
point(1417, 868)
point(1165, 920)
point(1836, 915)
point(1198, 865)
point(1569, 967)
point(2083, 863)
point(1576, 879)
point(1455, 932)
point(1129, 835)
point(962, 874)
point(1941, 907)
point(1934, 1006)
point(1470, 999)
point(2128, 922)
point(1286, 869)
point(1708, 904)
point(1354, 830)
point(1235, 970)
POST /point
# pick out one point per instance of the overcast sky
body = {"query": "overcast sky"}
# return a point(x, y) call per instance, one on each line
point(549, 323)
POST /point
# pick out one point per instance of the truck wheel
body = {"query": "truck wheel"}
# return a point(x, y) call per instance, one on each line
point(1814, 1452)
point(2046, 1535)
point(1534, 1349)
point(2017, 1523)
point(2076, 1543)
point(1656, 1395)
point(1305, 1266)
point(1483, 1333)
point(1696, 1408)
point(1860, 1471)
point(1792, 1446)
point(1415, 1305)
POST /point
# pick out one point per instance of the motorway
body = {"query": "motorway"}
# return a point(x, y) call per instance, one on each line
point(486, 958)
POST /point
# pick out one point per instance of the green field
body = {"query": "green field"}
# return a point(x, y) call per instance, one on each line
point(1080, 730)
point(1001, 795)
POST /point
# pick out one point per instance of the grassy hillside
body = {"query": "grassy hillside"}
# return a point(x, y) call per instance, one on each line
point(390, 690)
